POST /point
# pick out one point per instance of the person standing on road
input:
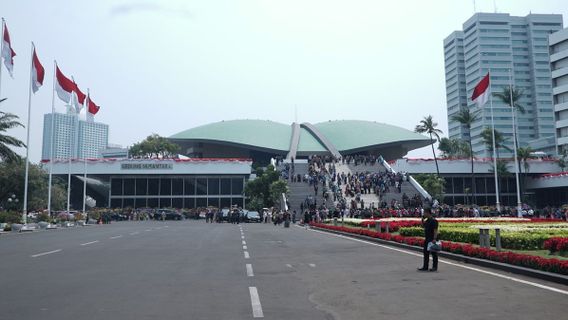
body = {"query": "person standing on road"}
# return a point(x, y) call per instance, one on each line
point(430, 225)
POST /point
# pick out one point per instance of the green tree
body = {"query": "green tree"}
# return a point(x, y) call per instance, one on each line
point(433, 184)
point(9, 121)
point(466, 118)
point(499, 141)
point(154, 146)
point(453, 148)
point(505, 96)
point(259, 189)
point(502, 170)
point(12, 180)
point(277, 188)
point(427, 125)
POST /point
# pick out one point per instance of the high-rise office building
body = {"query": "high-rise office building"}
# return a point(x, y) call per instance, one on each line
point(73, 138)
point(559, 67)
point(507, 47)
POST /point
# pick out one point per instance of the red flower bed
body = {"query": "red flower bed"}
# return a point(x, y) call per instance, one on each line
point(394, 226)
point(556, 244)
point(523, 260)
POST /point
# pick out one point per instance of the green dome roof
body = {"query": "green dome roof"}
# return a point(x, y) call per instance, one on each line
point(257, 133)
point(346, 136)
point(356, 134)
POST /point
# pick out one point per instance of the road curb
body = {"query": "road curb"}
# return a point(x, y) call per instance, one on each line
point(548, 276)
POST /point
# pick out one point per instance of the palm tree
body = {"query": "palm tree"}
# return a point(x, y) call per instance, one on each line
point(453, 148)
point(505, 97)
point(499, 140)
point(8, 121)
point(427, 125)
point(523, 154)
point(466, 118)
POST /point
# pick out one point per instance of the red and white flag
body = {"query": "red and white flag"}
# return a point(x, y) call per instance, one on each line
point(92, 107)
point(77, 98)
point(481, 91)
point(63, 86)
point(7, 52)
point(38, 72)
point(68, 91)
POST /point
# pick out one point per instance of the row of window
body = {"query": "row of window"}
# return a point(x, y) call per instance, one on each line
point(176, 186)
point(178, 203)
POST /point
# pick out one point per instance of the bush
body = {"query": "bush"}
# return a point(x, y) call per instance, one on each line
point(10, 217)
point(556, 244)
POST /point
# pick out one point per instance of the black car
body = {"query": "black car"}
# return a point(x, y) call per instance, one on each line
point(167, 215)
point(252, 216)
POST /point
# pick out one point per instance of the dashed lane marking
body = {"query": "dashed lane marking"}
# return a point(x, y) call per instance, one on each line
point(249, 270)
point(255, 302)
point(247, 255)
point(289, 265)
point(88, 243)
point(244, 243)
point(245, 248)
point(134, 233)
point(45, 253)
point(313, 265)
point(116, 237)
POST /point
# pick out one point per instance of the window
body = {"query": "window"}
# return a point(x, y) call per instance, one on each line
point(201, 186)
point(165, 186)
point(177, 187)
point(237, 186)
point(153, 187)
point(128, 187)
point(116, 187)
point(213, 186)
point(189, 186)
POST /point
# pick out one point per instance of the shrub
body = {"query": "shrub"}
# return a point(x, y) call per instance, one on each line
point(10, 217)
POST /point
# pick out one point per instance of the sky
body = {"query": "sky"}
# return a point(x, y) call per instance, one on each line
point(167, 66)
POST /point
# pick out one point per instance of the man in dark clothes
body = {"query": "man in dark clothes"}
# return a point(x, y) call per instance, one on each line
point(430, 235)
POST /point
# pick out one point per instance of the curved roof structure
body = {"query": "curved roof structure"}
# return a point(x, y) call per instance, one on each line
point(332, 137)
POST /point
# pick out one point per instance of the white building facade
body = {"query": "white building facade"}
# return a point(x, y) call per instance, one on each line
point(507, 47)
point(559, 68)
point(72, 137)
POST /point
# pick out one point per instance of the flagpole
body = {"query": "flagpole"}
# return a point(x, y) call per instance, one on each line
point(51, 138)
point(25, 209)
point(85, 159)
point(519, 204)
point(497, 203)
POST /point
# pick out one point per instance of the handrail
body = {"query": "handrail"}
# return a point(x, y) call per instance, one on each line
point(294, 141)
point(411, 179)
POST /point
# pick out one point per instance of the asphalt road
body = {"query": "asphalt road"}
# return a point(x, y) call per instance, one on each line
point(194, 270)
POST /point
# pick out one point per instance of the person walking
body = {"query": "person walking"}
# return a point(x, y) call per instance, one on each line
point(430, 225)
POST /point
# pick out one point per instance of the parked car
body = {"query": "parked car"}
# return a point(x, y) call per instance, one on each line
point(168, 215)
point(252, 216)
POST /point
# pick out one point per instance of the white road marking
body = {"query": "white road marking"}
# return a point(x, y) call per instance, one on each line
point(242, 237)
point(530, 283)
point(289, 265)
point(312, 265)
point(45, 253)
point(245, 248)
point(249, 270)
point(133, 233)
point(148, 230)
point(247, 256)
point(88, 243)
point(244, 243)
point(255, 302)
point(116, 237)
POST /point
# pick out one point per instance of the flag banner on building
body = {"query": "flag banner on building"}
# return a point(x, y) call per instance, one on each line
point(7, 52)
point(481, 93)
point(38, 72)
